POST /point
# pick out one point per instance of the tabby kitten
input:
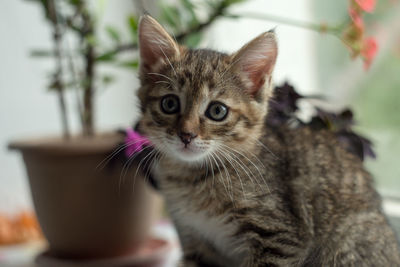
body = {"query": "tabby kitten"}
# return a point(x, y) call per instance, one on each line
point(241, 193)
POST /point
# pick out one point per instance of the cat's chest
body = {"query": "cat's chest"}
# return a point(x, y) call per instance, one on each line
point(217, 230)
point(205, 224)
point(213, 228)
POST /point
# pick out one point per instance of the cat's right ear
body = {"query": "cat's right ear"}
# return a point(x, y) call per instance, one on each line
point(255, 62)
point(156, 46)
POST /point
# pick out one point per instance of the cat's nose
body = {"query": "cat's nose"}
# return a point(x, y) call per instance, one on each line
point(187, 137)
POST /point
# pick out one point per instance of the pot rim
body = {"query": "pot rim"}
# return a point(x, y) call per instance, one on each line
point(77, 144)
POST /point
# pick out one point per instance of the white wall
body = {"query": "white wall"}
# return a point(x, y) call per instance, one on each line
point(26, 109)
point(296, 61)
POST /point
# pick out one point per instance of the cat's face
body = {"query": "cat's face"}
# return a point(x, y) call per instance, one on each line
point(197, 103)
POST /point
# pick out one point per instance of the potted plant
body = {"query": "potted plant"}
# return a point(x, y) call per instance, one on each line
point(85, 207)
point(83, 210)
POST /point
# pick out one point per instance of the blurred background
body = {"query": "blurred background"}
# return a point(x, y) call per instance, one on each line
point(311, 57)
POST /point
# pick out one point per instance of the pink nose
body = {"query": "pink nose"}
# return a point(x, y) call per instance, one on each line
point(187, 137)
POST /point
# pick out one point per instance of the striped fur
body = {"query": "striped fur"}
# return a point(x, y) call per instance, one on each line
point(256, 196)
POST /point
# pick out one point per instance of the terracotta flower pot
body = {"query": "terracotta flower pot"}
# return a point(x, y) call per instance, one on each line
point(84, 210)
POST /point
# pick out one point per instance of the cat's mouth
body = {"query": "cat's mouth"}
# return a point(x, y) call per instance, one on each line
point(187, 150)
point(190, 153)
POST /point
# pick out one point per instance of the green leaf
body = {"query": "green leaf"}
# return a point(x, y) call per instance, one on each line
point(133, 64)
point(107, 79)
point(106, 57)
point(113, 33)
point(75, 2)
point(171, 16)
point(133, 26)
point(193, 40)
point(212, 4)
point(92, 40)
point(133, 23)
point(232, 2)
point(189, 6)
point(42, 53)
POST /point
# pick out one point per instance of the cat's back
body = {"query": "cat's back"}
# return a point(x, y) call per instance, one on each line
point(315, 166)
point(332, 197)
point(319, 164)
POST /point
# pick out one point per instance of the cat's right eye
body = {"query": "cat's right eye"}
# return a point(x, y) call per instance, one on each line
point(217, 111)
point(170, 104)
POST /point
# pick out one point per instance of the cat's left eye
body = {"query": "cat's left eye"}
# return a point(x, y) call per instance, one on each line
point(170, 104)
point(217, 111)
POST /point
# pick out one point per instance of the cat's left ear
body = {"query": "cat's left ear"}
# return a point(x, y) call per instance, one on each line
point(156, 46)
point(255, 61)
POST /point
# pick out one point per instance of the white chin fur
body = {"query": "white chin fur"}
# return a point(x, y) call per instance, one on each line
point(191, 154)
point(189, 158)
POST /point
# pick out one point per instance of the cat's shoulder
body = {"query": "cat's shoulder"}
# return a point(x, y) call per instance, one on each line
point(306, 142)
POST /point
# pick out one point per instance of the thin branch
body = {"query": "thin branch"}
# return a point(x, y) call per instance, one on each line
point(74, 75)
point(319, 27)
point(58, 83)
point(219, 11)
point(87, 31)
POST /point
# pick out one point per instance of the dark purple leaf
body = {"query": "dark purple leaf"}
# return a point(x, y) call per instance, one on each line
point(282, 111)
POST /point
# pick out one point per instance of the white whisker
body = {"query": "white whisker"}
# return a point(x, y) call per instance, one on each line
point(237, 173)
point(169, 62)
point(128, 163)
point(258, 170)
point(105, 161)
point(161, 75)
point(220, 174)
point(228, 177)
point(138, 168)
point(265, 147)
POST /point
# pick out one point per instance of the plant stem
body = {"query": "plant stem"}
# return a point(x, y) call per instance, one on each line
point(87, 33)
point(74, 75)
point(88, 93)
point(319, 27)
point(219, 11)
point(58, 83)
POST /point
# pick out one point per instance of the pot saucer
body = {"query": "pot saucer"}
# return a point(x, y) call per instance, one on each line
point(152, 253)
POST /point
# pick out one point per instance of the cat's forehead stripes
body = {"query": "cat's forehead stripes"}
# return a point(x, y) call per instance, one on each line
point(196, 75)
point(196, 68)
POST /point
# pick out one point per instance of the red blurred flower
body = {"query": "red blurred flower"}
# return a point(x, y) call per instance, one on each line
point(369, 51)
point(356, 17)
point(366, 5)
point(353, 35)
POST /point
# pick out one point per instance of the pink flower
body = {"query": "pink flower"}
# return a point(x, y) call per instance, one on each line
point(356, 18)
point(369, 51)
point(366, 5)
point(134, 142)
point(353, 38)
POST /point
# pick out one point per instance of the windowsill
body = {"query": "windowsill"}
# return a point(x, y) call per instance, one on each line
point(391, 207)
